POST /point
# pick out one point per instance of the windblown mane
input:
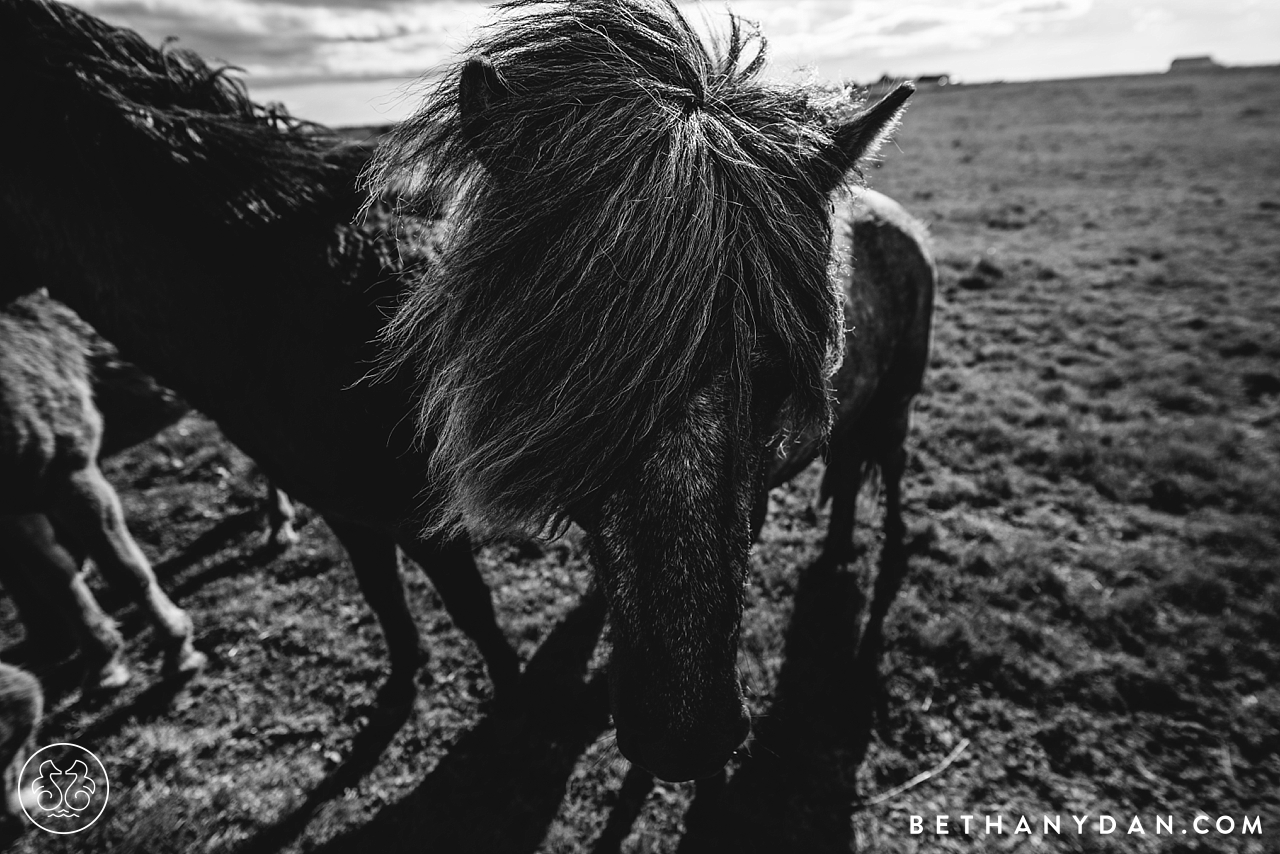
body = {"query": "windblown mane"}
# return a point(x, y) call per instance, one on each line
point(639, 213)
point(164, 110)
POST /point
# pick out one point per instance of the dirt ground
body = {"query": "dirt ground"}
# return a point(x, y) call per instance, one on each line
point(1089, 624)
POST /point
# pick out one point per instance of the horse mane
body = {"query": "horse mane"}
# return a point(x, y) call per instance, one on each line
point(640, 212)
point(165, 109)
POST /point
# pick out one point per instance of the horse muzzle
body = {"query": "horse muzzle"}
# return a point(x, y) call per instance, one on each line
point(679, 757)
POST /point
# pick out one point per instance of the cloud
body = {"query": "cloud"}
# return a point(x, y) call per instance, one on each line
point(308, 40)
point(300, 40)
point(809, 31)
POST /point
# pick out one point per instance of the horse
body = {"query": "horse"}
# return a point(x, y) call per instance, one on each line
point(50, 437)
point(254, 296)
point(631, 311)
point(604, 332)
point(21, 704)
point(889, 285)
point(66, 397)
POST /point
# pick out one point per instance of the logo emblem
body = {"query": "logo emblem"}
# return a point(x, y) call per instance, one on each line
point(63, 788)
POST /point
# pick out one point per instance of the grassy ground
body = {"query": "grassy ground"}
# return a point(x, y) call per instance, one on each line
point(1090, 621)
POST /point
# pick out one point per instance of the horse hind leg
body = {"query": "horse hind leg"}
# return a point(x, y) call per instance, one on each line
point(88, 508)
point(60, 601)
point(453, 572)
point(893, 463)
point(841, 483)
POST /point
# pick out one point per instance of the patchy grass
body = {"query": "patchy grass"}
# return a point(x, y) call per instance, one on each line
point(1093, 597)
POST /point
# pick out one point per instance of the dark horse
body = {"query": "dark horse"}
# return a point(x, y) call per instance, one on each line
point(632, 306)
point(632, 309)
point(211, 240)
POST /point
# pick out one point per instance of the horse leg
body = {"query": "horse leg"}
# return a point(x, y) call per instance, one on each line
point(48, 634)
point(21, 704)
point(841, 482)
point(893, 463)
point(88, 508)
point(281, 517)
point(52, 570)
point(452, 569)
point(891, 470)
point(377, 567)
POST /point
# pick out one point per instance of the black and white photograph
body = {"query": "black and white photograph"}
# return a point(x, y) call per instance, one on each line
point(639, 426)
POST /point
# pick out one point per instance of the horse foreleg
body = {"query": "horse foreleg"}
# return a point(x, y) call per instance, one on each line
point(453, 571)
point(88, 508)
point(60, 599)
point(377, 567)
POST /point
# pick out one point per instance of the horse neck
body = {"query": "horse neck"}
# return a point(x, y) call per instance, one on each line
point(200, 305)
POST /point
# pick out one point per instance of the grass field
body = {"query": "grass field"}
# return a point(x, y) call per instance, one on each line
point(1090, 623)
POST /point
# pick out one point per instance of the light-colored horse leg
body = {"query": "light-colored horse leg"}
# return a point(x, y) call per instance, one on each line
point(89, 509)
point(281, 516)
point(52, 573)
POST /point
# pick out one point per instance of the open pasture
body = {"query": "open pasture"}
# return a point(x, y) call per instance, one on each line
point(1093, 594)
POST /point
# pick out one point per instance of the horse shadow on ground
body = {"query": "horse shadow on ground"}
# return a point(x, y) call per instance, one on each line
point(796, 790)
point(501, 785)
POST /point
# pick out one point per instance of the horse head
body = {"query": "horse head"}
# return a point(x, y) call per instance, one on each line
point(632, 308)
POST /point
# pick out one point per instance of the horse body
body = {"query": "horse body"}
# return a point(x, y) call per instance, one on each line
point(888, 310)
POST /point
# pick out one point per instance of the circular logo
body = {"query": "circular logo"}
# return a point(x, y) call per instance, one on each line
point(63, 788)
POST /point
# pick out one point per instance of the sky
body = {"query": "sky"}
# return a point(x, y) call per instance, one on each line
point(345, 62)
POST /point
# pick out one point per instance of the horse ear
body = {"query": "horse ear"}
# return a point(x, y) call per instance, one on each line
point(479, 87)
point(864, 133)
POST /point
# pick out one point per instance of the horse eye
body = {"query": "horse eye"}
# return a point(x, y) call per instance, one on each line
point(770, 376)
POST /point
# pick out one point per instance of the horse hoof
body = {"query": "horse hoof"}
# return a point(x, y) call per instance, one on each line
point(505, 677)
point(281, 539)
point(112, 676)
point(185, 661)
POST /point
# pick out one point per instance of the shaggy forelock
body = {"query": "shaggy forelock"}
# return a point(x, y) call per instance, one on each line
point(640, 212)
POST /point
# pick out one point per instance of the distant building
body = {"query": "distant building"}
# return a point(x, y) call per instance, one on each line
point(1193, 63)
point(933, 79)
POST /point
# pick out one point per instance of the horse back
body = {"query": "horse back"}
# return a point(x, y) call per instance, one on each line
point(48, 423)
point(888, 276)
point(888, 309)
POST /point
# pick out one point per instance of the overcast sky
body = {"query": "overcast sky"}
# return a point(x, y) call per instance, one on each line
point(354, 61)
